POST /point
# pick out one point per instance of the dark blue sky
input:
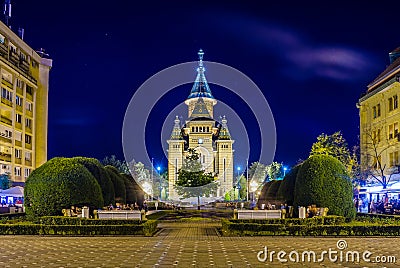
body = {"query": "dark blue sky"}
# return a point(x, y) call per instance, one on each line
point(312, 60)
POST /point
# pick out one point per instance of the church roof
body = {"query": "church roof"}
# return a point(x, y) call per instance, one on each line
point(200, 87)
point(200, 109)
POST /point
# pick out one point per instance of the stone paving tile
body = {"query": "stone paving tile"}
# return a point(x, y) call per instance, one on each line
point(179, 244)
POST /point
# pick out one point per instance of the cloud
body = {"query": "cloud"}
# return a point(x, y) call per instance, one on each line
point(303, 58)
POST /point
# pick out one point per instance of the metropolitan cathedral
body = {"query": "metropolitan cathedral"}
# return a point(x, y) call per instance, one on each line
point(210, 138)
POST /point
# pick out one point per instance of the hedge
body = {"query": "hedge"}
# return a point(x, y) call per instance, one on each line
point(60, 220)
point(147, 228)
point(286, 189)
point(118, 182)
point(327, 220)
point(252, 229)
point(100, 174)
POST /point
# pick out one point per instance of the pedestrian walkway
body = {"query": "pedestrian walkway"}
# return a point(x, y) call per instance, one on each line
point(186, 244)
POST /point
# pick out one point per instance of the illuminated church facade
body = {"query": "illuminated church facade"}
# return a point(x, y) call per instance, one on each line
point(209, 138)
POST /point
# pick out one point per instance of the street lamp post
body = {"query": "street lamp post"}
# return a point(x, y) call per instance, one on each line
point(238, 181)
point(284, 171)
point(159, 177)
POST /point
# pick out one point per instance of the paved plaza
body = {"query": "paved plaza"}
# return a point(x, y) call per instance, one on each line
point(180, 244)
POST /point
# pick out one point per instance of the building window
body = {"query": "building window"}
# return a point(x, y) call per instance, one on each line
point(200, 141)
point(192, 129)
point(394, 159)
point(28, 156)
point(390, 104)
point(224, 169)
point(2, 39)
point(18, 100)
point(13, 48)
point(29, 106)
point(20, 83)
point(18, 118)
point(28, 139)
point(395, 102)
point(27, 172)
point(5, 94)
point(18, 153)
point(28, 123)
point(374, 111)
point(176, 170)
point(378, 136)
point(393, 130)
point(378, 110)
point(18, 136)
point(17, 171)
point(29, 90)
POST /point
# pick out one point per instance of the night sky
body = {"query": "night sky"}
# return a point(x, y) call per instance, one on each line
point(312, 61)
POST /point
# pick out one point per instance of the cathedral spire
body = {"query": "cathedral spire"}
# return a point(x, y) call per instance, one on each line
point(224, 132)
point(200, 87)
point(176, 132)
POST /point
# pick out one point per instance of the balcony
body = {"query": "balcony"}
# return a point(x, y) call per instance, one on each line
point(28, 113)
point(24, 66)
point(18, 143)
point(7, 83)
point(13, 57)
point(18, 108)
point(18, 161)
point(5, 139)
point(4, 157)
point(6, 102)
point(29, 96)
point(20, 91)
point(6, 120)
point(28, 130)
point(18, 125)
point(28, 162)
point(3, 51)
point(28, 146)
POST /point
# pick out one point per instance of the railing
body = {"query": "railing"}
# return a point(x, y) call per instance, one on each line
point(28, 162)
point(6, 158)
point(28, 130)
point(7, 83)
point(6, 120)
point(28, 146)
point(18, 161)
point(13, 58)
point(18, 108)
point(18, 125)
point(6, 102)
point(5, 139)
point(18, 143)
point(29, 113)
point(3, 50)
point(29, 96)
point(20, 91)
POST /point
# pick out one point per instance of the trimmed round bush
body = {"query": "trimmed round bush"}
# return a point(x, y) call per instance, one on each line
point(273, 190)
point(133, 191)
point(322, 180)
point(118, 182)
point(60, 183)
point(286, 189)
point(97, 170)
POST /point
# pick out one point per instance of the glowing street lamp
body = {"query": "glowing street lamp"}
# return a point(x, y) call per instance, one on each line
point(284, 171)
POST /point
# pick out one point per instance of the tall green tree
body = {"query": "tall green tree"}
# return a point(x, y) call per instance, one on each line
point(257, 172)
point(335, 145)
point(122, 166)
point(274, 171)
point(192, 180)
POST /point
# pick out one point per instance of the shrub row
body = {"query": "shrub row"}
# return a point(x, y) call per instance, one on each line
point(60, 220)
point(147, 228)
point(327, 220)
point(252, 229)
